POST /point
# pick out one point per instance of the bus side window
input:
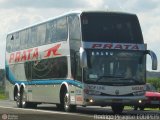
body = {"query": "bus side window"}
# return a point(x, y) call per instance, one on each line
point(24, 39)
point(32, 41)
point(41, 34)
point(28, 70)
point(17, 41)
point(49, 68)
point(74, 32)
point(9, 43)
point(75, 43)
point(51, 32)
point(62, 29)
point(74, 27)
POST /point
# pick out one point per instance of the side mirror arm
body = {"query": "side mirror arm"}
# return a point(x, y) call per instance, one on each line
point(154, 59)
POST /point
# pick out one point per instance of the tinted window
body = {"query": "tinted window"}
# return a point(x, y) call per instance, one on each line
point(50, 68)
point(32, 37)
point(111, 27)
point(28, 70)
point(74, 27)
point(62, 30)
point(41, 33)
point(75, 42)
point(24, 39)
point(16, 41)
point(51, 32)
point(10, 43)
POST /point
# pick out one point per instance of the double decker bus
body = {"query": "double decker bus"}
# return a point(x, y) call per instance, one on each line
point(84, 58)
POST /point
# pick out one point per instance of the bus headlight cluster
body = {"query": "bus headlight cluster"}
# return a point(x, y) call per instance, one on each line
point(90, 100)
point(139, 93)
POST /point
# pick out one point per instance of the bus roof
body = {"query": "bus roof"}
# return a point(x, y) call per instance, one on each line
point(78, 12)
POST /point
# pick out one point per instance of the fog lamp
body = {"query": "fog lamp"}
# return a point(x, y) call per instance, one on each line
point(91, 100)
point(140, 101)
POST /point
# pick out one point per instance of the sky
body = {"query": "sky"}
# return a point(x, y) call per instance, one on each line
point(16, 14)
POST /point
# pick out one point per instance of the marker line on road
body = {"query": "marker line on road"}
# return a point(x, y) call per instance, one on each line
point(45, 111)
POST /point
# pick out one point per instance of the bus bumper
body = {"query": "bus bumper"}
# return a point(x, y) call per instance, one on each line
point(109, 100)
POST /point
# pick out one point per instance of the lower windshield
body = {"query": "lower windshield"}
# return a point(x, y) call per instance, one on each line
point(115, 67)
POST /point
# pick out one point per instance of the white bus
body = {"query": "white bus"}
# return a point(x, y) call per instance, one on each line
point(85, 58)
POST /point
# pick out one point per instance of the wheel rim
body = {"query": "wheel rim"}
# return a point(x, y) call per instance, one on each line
point(18, 99)
point(66, 101)
point(23, 100)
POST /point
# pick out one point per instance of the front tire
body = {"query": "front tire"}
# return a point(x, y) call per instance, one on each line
point(66, 103)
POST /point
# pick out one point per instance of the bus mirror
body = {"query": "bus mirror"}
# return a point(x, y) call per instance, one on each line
point(83, 57)
point(154, 59)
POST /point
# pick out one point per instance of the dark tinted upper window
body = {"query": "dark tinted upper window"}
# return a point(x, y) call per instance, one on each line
point(111, 27)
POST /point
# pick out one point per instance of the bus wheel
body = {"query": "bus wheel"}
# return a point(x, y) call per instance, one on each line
point(26, 104)
point(67, 106)
point(117, 108)
point(18, 100)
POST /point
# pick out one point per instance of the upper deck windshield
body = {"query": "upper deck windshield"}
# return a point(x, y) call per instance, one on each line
point(115, 67)
point(111, 27)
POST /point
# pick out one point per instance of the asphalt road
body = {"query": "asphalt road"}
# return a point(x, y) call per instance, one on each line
point(9, 111)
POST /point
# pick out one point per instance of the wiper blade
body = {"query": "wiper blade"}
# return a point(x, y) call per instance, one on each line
point(107, 76)
point(104, 76)
point(133, 80)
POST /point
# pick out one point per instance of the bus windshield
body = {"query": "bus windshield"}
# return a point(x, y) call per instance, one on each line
point(111, 27)
point(115, 67)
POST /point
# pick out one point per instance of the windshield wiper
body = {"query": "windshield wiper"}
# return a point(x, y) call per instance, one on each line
point(107, 76)
point(137, 80)
point(133, 80)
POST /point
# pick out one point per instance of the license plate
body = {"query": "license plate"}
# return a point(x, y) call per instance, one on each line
point(116, 100)
point(155, 102)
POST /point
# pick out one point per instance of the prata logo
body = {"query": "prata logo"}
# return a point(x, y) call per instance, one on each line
point(33, 54)
point(53, 51)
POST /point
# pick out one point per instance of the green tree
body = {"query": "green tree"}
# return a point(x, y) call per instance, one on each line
point(155, 82)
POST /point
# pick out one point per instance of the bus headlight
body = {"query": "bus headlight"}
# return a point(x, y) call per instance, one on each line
point(91, 100)
point(140, 101)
